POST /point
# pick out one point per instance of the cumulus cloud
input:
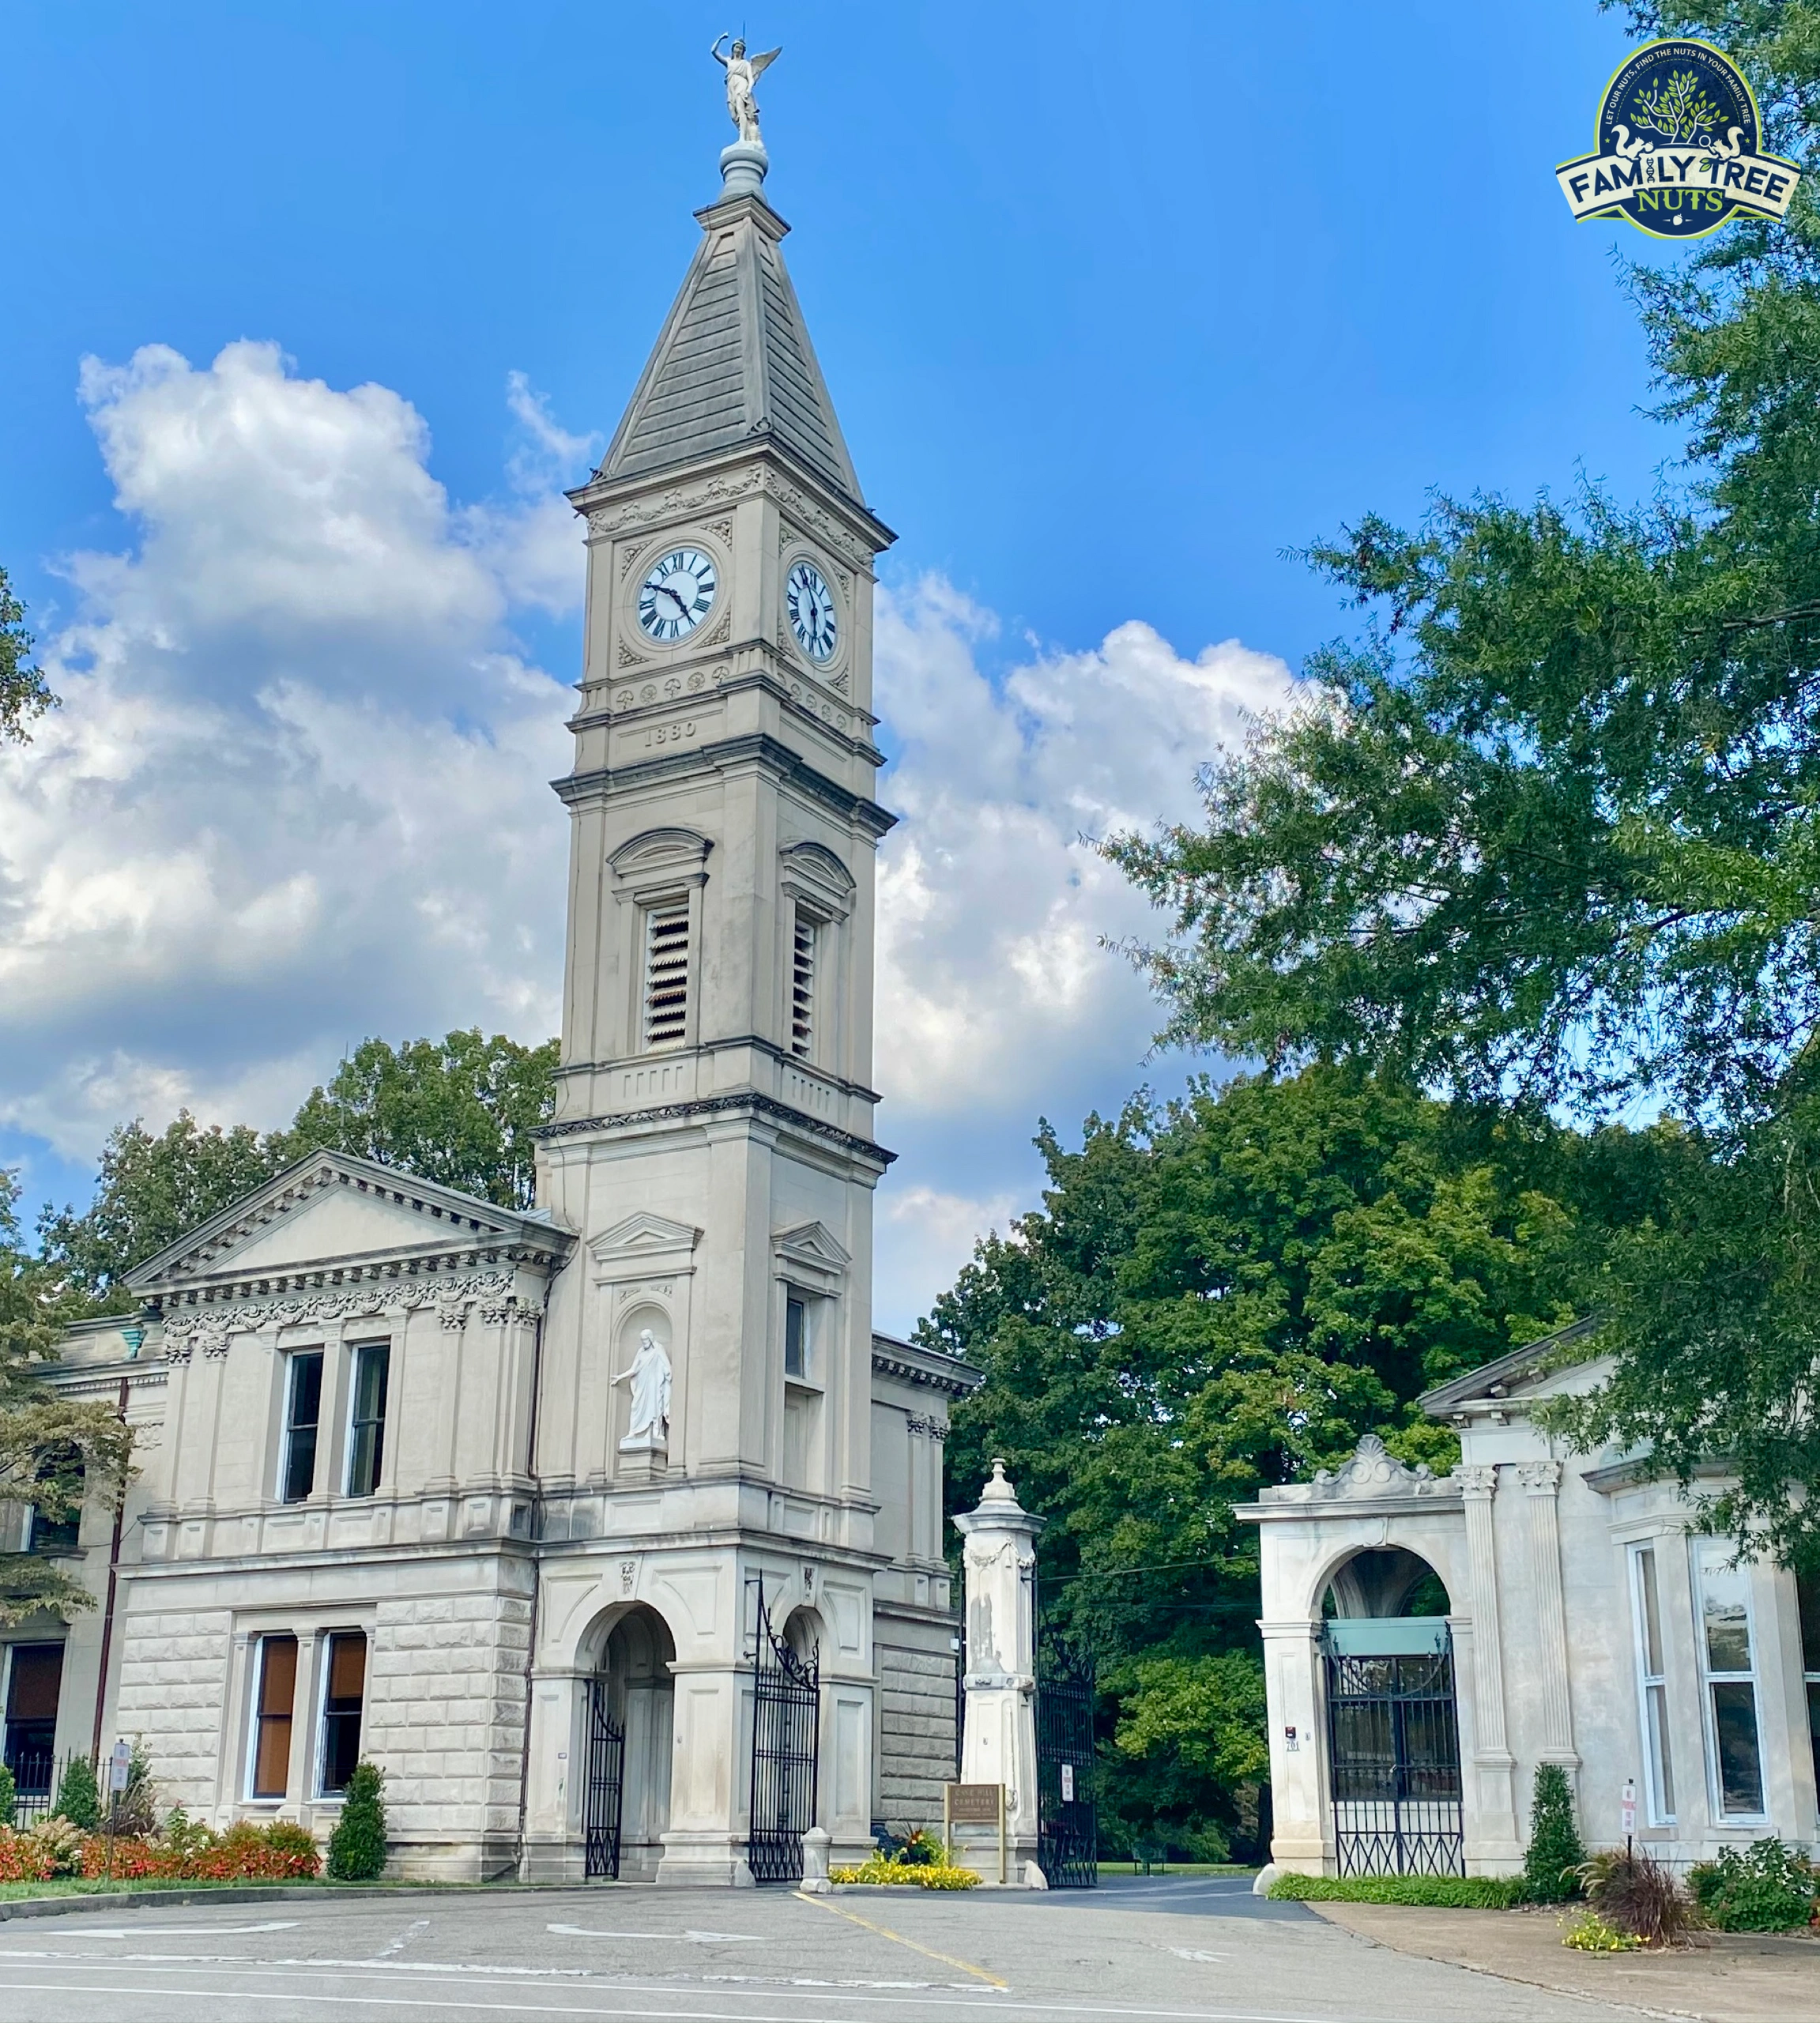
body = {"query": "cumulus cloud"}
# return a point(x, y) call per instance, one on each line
point(297, 793)
point(994, 987)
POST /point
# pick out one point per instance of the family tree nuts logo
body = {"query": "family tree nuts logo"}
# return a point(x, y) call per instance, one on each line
point(1679, 147)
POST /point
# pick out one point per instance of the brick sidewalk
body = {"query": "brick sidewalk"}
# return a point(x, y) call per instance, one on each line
point(1738, 1977)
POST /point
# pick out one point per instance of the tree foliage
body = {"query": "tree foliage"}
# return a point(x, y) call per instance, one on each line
point(1226, 1292)
point(23, 696)
point(357, 1846)
point(54, 1452)
point(1548, 831)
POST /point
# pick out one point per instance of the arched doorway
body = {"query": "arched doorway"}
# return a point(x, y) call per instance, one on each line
point(629, 1728)
point(1392, 1727)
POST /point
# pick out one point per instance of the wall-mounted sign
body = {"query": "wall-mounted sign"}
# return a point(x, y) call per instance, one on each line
point(1677, 146)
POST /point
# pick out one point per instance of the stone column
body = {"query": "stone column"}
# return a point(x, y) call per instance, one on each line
point(1542, 1482)
point(1001, 1742)
point(1493, 1831)
point(1302, 1831)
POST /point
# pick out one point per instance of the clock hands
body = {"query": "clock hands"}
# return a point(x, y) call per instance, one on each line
point(663, 590)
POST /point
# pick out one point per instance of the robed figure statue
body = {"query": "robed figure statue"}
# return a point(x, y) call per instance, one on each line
point(742, 73)
point(649, 1377)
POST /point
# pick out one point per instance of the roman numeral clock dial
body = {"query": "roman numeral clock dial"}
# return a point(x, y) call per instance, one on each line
point(677, 594)
point(811, 605)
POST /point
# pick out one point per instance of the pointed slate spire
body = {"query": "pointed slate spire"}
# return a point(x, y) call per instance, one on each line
point(734, 364)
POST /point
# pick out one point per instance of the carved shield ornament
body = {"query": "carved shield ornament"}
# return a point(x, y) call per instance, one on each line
point(1677, 146)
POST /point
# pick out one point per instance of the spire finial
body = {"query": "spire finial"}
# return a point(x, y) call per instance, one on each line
point(744, 164)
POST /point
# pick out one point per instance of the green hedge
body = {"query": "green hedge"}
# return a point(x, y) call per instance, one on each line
point(1450, 1893)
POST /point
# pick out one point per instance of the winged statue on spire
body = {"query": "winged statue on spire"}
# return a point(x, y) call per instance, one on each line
point(742, 73)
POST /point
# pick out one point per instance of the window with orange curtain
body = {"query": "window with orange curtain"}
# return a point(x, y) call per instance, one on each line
point(272, 1723)
point(343, 1690)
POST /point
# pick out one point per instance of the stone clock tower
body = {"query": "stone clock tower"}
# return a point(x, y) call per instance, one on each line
point(712, 1145)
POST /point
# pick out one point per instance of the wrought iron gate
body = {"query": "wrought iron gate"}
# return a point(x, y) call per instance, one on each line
point(1067, 1828)
point(1393, 1753)
point(604, 1794)
point(786, 1738)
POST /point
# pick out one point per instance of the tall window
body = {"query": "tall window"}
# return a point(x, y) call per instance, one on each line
point(303, 1417)
point(367, 1425)
point(62, 1534)
point(272, 1711)
point(344, 1685)
point(1807, 1587)
point(1729, 1658)
point(1652, 1685)
point(667, 974)
point(34, 1680)
point(796, 1336)
point(803, 987)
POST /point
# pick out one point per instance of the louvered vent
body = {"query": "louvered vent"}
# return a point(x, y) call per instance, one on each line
point(803, 989)
point(667, 975)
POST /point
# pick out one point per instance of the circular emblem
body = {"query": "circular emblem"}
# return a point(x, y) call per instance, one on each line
point(1679, 146)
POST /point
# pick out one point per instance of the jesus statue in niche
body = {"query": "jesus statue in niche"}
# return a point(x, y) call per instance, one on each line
point(649, 1377)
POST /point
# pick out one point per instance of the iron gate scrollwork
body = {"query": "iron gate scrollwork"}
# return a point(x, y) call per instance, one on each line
point(786, 1740)
point(604, 1792)
point(1393, 1754)
point(1068, 1827)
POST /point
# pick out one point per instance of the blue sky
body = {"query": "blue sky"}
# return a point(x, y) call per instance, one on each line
point(1115, 306)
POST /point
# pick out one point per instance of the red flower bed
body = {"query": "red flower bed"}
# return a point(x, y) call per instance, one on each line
point(247, 1852)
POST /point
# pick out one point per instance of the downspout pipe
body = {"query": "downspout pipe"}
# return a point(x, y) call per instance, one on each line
point(113, 1568)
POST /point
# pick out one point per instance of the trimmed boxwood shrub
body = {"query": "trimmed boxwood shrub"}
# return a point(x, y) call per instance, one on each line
point(357, 1846)
point(1552, 1864)
point(78, 1796)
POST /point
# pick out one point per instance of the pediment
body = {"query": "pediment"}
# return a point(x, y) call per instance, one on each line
point(813, 1244)
point(644, 1241)
point(328, 1208)
point(660, 854)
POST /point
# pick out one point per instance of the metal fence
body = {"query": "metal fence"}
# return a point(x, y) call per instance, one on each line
point(36, 1774)
point(1393, 1745)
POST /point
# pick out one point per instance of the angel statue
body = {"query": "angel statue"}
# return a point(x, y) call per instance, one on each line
point(649, 1379)
point(743, 71)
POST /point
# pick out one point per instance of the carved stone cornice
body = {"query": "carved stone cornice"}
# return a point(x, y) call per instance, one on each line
point(208, 1327)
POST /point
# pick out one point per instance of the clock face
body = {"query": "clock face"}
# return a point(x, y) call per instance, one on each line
point(677, 594)
point(811, 605)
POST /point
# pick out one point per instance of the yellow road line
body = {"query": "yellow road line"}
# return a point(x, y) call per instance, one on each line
point(928, 1952)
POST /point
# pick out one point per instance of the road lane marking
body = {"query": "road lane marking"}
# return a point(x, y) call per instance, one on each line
point(929, 1952)
point(694, 1938)
point(181, 1931)
point(1189, 1953)
point(974, 2001)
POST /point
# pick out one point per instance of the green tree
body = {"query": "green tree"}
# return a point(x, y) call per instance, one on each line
point(23, 696)
point(461, 1111)
point(1226, 1292)
point(357, 1846)
point(1548, 832)
point(55, 1452)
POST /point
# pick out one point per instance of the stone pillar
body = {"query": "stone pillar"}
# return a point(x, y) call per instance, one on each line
point(1542, 1482)
point(1001, 1742)
point(1491, 1828)
point(1301, 1827)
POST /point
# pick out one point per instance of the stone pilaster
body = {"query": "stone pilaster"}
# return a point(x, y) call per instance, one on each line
point(1493, 1827)
point(1541, 1485)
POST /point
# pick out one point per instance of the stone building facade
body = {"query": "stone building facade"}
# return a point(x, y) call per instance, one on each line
point(403, 1494)
point(1430, 1641)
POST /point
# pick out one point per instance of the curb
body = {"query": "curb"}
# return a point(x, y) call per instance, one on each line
point(270, 1893)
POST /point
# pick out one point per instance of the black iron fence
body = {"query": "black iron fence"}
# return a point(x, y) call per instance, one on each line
point(786, 1741)
point(1068, 1825)
point(36, 1773)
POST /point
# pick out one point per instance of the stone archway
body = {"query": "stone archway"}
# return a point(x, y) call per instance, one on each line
point(636, 1690)
point(1391, 1731)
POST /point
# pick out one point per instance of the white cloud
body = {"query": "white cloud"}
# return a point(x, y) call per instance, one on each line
point(297, 791)
point(994, 987)
point(298, 794)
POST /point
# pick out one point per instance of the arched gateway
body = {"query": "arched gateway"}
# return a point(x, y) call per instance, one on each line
point(631, 1725)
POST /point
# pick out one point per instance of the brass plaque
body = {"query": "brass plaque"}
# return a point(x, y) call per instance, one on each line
point(974, 1805)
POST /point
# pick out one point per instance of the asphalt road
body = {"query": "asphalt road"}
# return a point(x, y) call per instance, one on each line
point(1199, 1950)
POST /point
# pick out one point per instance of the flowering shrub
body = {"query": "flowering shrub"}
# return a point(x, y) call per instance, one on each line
point(924, 1875)
point(187, 1852)
point(1590, 1933)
